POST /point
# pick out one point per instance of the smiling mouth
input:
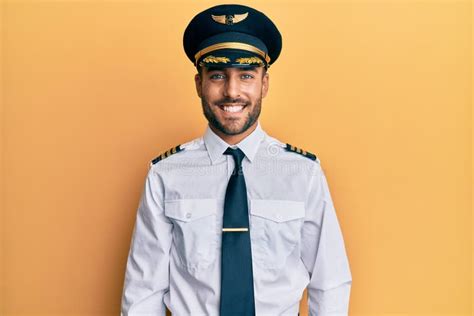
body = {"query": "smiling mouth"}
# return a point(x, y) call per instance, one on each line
point(232, 108)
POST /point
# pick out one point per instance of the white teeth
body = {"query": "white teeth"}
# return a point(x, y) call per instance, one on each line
point(235, 108)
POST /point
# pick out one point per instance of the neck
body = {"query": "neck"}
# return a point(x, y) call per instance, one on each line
point(234, 139)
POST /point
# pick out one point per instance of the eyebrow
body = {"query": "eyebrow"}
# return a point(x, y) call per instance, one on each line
point(210, 68)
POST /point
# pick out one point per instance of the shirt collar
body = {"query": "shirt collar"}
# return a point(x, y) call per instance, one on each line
point(216, 146)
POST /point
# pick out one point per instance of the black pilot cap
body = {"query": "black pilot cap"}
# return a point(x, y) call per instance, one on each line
point(232, 35)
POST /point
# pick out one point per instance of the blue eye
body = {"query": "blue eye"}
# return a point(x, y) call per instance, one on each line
point(247, 76)
point(217, 76)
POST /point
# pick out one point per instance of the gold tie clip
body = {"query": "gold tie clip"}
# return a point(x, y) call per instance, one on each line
point(235, 229)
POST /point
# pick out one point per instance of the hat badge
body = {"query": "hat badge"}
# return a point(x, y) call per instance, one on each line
point(230, 19)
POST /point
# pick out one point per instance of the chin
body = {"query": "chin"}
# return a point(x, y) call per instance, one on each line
point(233, 128)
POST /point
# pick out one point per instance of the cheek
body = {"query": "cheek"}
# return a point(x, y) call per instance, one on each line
point(253, 92)
point(211, 91)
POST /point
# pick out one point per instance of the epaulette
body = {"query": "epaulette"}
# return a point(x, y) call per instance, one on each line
point(300, 151)
point(167, 153)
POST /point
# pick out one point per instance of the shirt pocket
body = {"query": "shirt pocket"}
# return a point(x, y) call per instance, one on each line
point(275, 230)
point(194, 231)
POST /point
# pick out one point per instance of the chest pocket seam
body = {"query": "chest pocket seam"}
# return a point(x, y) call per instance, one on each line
point(277, 210)
point(187, 210)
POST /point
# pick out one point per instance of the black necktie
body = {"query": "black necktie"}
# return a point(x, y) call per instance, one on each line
point(237, 297)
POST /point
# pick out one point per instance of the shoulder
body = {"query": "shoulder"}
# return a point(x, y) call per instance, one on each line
point(300, 151)
point(274, 146)
point(180, 148)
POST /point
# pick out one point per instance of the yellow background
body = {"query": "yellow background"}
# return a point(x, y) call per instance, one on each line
point(379, 90)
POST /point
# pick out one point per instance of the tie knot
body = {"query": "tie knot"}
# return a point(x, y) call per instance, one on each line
point(237, 154)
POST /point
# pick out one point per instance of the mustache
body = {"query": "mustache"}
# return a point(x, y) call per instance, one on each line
point(231, 101)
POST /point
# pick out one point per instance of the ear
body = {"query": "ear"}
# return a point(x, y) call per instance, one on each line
point(265, 84)
point(198, 82)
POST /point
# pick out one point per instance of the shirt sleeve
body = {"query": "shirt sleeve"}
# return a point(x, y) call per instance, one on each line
point(323, 252)
point(147, 270)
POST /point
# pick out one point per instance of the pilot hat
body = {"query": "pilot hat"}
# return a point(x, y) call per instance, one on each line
point(232, 35)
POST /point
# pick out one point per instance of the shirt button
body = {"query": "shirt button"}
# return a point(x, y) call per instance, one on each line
point(279, 217)
point(188, 215)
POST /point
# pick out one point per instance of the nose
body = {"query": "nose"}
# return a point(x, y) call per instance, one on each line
point(231, 88)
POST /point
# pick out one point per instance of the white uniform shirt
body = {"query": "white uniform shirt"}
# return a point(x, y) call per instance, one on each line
point(296, 241)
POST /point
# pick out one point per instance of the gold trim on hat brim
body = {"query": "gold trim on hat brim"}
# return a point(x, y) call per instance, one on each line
point(234, 45)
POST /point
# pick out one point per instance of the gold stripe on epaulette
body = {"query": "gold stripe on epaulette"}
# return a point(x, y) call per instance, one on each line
point(300, 151)
point(167, 153)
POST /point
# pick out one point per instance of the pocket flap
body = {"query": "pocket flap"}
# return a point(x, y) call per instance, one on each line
point(277, 210)
point(187, 210)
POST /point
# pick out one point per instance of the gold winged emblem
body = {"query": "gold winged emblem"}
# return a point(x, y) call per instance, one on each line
point(230, 19)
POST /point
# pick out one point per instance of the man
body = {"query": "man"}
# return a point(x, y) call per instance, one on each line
point(235, 222)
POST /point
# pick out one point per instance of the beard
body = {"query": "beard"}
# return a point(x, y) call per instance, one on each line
point(249, 120)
